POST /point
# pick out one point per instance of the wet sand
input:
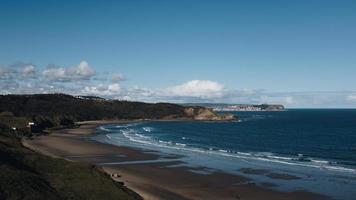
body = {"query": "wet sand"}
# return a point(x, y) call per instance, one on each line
point(269, 174)
point(153, 176)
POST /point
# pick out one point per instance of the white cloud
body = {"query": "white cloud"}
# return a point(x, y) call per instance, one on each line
point(18, 71)
point(92, 90)
point(28, 70)
point(117, 78)
point(25, 78)
point(274, 99)
point(59, 74)
point(204, 89)
point(351, 98)
point(102, 90)
point(83, 70)
point(289, 100)
point(22, 78)
point(5, 73)
point(139, 94)
point(114, 88)
point(55, 74)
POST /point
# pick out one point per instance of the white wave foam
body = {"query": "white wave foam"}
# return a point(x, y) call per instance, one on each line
point(142, 136)
point(320, 161)
point(127, 125)
point(134, 136)
point(165, 142)
point(104, 129)
point(181, 144)
point(131, 137)
point(147, 129)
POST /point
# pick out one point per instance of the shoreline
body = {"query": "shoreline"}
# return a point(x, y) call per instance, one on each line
point(145, 172)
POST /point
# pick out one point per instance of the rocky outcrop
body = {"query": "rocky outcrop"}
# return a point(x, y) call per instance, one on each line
point(206, 114)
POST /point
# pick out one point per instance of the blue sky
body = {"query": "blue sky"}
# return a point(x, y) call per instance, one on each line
point(299, 53)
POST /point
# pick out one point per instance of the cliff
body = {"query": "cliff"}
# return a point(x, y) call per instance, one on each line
point(206, 114)
point(268, 107)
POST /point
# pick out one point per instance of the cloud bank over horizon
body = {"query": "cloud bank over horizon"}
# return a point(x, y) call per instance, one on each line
point(82, 79)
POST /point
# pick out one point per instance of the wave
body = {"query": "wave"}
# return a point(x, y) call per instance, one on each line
point(320, 164)
point(147, 129)
point(142, 136)
point(127, 125)
point(134, 135)
point(181, 144)
point(104, 129)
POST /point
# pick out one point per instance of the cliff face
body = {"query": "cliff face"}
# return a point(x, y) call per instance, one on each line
point(206, 114)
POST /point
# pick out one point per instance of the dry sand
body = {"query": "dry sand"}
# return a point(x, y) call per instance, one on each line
point(153, 180)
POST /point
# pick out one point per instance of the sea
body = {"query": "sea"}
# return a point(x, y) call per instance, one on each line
point(315, 146)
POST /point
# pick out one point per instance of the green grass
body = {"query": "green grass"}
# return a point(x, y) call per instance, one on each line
point(25, 174)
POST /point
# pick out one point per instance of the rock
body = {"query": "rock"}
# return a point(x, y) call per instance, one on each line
point(206, 114)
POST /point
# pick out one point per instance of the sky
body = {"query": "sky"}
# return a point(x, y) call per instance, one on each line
point(297, 53)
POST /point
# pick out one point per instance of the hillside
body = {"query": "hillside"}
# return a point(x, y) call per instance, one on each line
point(25, 174)
point(52, 110)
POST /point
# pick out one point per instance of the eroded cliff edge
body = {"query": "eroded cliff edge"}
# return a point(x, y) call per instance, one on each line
point(206, 114)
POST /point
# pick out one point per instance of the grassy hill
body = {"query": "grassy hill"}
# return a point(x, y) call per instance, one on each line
point(54, 110)
point(49, 110)
point(25, 174)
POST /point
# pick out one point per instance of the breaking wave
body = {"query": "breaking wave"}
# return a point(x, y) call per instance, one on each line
point(139, 136)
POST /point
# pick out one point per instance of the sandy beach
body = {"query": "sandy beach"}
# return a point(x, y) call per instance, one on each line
point(152, 176)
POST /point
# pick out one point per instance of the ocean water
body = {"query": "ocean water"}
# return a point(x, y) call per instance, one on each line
point(316, 145)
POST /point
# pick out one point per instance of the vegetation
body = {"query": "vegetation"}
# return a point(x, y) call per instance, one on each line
point(25, 174)
point(49, 110)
